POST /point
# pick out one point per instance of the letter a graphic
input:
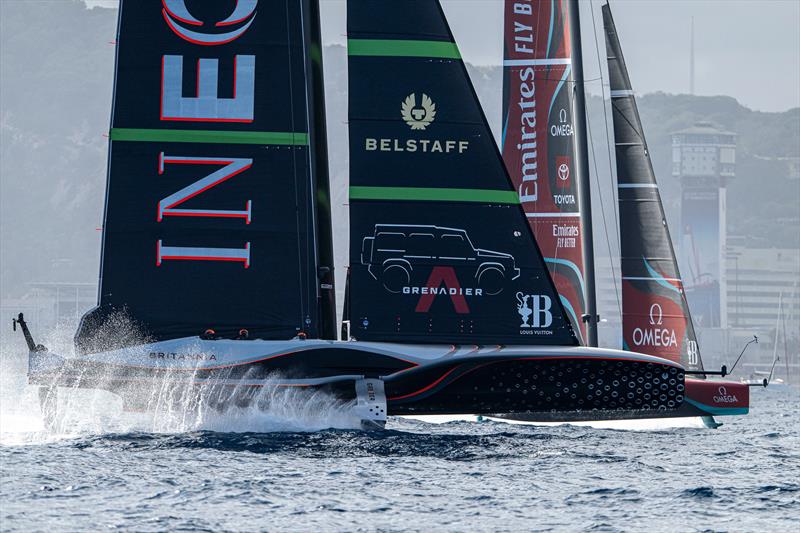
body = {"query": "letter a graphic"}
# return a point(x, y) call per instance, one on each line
point(447, 276)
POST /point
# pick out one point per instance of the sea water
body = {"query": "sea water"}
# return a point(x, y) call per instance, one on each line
point(303, 465)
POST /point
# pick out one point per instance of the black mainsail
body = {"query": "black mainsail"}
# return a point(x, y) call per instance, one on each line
point(216, 165)
point(441, 250)
point(655, 315)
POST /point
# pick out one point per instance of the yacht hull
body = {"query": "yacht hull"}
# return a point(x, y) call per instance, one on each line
point(535, 383)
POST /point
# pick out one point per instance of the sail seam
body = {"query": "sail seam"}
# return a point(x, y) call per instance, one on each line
point(209, 136)
point(553, 214)
point(549, 61)
point(488, 196)
point(402, 48)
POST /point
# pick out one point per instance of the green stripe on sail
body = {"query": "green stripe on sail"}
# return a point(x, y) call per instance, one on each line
point(209, 136)
point(401, 48)
point(429, 194)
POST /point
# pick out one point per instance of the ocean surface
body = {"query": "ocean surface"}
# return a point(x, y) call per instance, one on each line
point(303, 466)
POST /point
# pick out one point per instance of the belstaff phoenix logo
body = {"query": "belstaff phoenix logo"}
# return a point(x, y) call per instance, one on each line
point(418, 118)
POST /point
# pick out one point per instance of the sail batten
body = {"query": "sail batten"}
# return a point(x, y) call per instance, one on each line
point(655, 314)
point(537, 62)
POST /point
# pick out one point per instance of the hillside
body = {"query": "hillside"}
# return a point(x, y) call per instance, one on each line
point(763, 200)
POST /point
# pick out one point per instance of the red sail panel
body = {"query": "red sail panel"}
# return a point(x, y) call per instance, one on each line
point(539, 143)
point(655, 314)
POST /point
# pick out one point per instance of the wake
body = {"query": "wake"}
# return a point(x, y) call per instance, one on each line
point(167, 407)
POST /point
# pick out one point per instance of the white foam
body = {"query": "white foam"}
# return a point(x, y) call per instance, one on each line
point(648, 424)
point(168, 408)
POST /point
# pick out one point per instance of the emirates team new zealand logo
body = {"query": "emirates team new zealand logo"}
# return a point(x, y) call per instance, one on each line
point(418, 118)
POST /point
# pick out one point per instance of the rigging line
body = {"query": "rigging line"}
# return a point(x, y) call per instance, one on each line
point(596, 173)
point(304, 279)
point(638, 133)
point(638, 130)
point(605, 120)
point(603, 212)
point(610, 165)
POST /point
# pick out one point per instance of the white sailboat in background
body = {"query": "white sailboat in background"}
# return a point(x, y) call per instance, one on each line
point(766, 377)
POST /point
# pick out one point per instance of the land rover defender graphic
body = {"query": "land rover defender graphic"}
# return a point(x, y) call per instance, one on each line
point(396, 252)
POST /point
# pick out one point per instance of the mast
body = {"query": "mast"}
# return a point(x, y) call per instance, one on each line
point(583, 175)
point(777, 327)
point(691, 58)
point(326, 291)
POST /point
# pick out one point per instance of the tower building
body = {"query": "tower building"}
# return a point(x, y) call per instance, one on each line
point(704, 159)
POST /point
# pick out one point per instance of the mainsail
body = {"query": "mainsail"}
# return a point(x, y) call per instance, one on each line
point(440, 249)
point(655, 315)
point(538, 140)
point(216, 163)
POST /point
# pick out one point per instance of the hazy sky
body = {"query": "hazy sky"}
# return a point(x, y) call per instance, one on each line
point(748, 49)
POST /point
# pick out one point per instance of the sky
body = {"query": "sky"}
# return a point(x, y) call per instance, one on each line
point(748, 49)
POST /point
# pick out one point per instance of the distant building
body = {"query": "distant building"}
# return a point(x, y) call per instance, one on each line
point(704, 153)
point(757, 279)
point(704, 159)
point(48, 304)
point(792, 164)
point(793, 167)
point(764, 300)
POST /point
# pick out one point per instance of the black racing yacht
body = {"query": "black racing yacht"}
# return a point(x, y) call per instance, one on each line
point(217, 261)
